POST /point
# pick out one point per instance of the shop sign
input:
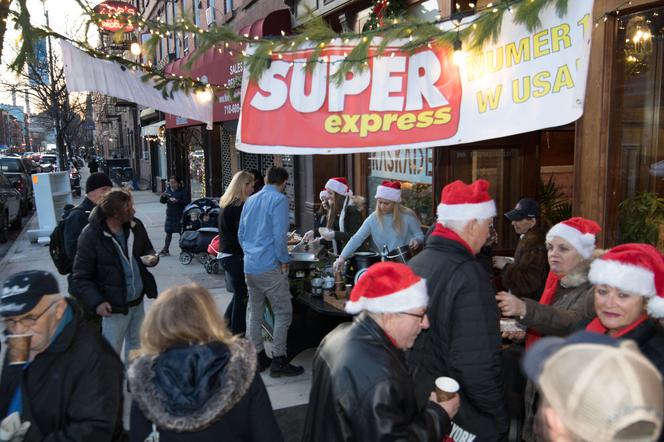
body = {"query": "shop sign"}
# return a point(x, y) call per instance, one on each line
point(521, 82)
point(115, 8)
point(413, 165)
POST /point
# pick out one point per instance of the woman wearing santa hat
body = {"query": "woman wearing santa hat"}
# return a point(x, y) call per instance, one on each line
point(390, 226)
point(629, 297)
point(339, 217)
point(565, 302)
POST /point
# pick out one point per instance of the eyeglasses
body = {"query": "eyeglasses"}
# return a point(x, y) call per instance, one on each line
point(28, 321)
point(415, 315)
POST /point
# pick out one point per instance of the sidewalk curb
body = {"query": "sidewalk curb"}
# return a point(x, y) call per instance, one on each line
point(19, 237)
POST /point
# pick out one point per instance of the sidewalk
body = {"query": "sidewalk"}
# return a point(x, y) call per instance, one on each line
point(284, 392)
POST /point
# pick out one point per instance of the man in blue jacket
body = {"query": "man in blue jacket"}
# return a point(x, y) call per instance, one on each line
point(263, 237)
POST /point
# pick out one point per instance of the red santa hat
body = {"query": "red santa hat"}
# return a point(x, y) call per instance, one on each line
point(388, 287)
point(461, 201)
point(633, 268)
point(389, 190)
point(338, 185)
point(579, 232)
point(324, 195)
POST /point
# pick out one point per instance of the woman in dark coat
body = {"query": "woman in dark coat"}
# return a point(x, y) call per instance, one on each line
point(195, 381)
point(629, 298)
point(232, 261)
point(175, 198)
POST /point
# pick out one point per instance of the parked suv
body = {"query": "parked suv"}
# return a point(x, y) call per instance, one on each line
point(17, 174)
point(10, 207)
point(49, 162)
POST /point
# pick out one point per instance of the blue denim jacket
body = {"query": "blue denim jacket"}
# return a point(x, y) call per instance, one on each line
point(263, 230)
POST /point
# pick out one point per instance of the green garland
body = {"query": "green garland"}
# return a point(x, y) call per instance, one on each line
point(315, 34)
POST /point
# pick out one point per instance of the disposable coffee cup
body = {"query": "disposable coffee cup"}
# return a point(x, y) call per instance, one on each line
point(18, 348)
point(446, 388)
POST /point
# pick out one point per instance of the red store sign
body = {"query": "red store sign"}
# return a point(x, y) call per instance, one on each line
point(115, 7)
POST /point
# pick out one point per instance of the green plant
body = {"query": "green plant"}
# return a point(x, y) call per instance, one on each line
point(554, 204)
point(640, 218)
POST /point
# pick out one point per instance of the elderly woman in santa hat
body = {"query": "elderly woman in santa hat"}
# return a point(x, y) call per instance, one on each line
point(339, 217)
point(390, 226)
point(567, 294)
point(629, 298)
point(565, 302)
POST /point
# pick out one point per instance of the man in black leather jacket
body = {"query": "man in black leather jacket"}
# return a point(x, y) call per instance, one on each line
point(464, 340)
point(361, 388)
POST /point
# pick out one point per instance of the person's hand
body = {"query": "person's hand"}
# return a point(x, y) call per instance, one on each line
point(451, 407)
point(515, 336)
point(308, 236)
point(328, 235)
point(284, 269)
point(414, 243)
point(500, 262)
point(339, 264)
point(104, 309)
point(12, 429)
point(510, 305)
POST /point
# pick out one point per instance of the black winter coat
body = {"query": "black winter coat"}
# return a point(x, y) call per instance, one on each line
point(98, 272)
point(526, 276)
point(174, 209)
point(74, 387)
point(362, 391)
point(464, 340)
point(229, 224)
point(201, 393)
point(75, 222)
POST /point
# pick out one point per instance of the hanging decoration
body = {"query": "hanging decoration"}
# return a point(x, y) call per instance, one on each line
point(384, 11)
point(474, 33)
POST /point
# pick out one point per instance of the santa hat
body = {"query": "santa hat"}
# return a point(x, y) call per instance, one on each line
point(389, 190)
point(388, 287)
point(324, 195)
point(339, 185)
point(633, 268)
point(579, 232)
point(461, 201)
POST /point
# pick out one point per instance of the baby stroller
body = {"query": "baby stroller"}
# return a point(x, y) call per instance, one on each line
point(199, 227)
point(213, 263)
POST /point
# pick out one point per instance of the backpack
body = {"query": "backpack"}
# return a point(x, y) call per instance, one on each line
point(57, 246)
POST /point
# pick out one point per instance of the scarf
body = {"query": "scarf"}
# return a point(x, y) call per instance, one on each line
point(550, 289)
point(596, 326)
point(450, 234)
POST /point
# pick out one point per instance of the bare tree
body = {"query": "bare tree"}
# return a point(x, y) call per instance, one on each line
point(47, 91)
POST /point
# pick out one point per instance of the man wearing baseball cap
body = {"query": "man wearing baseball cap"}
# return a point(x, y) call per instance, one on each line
point(595, 388)
point(361, 387)
point(70, 388)
point(525, 275)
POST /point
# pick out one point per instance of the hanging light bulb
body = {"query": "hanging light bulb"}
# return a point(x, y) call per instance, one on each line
point(135, 49)
point(204, 95)
point(457, 56)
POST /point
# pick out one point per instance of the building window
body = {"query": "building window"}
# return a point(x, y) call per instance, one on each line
point(228, 6)
point(636, 155)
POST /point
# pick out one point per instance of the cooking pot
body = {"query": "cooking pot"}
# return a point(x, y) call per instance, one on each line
point(401, 254)
point(362, 260)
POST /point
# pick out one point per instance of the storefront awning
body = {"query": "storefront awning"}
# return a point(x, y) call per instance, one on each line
point(223, 69)
point(151, 130)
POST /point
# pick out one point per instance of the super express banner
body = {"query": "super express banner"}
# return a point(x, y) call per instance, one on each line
point(520, 83)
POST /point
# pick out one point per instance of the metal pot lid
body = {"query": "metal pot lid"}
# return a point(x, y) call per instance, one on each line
point(366, 254)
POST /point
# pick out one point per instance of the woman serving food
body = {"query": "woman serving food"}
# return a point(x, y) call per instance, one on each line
point(390, 226)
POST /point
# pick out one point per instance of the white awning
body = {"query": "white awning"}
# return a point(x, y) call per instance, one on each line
point(152, 130)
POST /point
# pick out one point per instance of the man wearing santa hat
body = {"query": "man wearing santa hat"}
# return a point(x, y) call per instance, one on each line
point(361, 388)
point(464, 340)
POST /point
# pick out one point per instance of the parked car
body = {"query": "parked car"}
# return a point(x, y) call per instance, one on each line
point(10, 207)
point(15, 171)
point(49, 162)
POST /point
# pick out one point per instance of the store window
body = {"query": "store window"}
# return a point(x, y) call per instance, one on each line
point(413, 167)
point(636, 161)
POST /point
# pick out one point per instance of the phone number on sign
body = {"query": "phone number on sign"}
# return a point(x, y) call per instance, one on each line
point(232, 108)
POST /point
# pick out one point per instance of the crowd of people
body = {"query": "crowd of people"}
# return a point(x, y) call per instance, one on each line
point(587, 321)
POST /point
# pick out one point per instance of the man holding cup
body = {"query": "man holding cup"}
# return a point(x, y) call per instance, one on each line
point(110, 269)
point(361, 387)
point(60, 379)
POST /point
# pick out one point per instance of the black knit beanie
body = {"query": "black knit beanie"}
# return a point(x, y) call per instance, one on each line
point(97, 180)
